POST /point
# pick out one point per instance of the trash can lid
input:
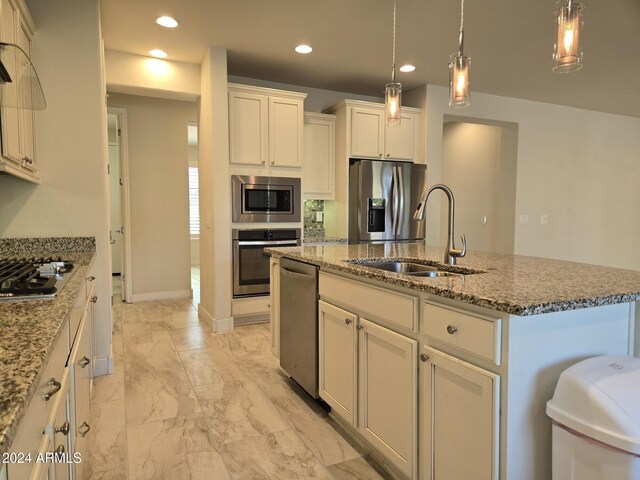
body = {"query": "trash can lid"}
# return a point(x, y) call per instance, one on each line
point(600, 397)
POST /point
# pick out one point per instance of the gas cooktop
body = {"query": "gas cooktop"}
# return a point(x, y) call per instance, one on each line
point(32, 278)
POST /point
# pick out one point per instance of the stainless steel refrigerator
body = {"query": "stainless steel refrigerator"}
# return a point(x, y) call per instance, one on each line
point(382, 198)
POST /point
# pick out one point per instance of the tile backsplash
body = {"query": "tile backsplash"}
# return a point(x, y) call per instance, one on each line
point(313, 227)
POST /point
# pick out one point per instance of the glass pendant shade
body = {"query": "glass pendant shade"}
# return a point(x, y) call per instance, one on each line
point(459, 80)
point(393, 101)
point(567, 49)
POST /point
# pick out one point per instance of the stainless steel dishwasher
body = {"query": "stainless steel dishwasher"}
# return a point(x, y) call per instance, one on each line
point(299, 323)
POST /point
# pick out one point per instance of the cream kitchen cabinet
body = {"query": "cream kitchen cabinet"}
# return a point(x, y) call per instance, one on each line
point(459, 422)
point(18, 127)
point(368, 372)
point(319, 158)
point(274, 305)
point(59, 427)
point(337, 359)
point(265, 126)
point(370, 137)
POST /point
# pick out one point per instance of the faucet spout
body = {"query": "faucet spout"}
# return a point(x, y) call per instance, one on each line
point(451, 252)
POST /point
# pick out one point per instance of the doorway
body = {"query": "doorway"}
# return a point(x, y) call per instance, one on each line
point(194, 211)
point(119, 204)
point(479, 161)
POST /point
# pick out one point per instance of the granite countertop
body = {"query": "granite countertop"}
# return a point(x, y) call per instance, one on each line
point(309, 239)
point(30, 329)
point(514, 284)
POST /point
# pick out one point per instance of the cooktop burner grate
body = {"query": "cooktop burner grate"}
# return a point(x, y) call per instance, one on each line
point(27, 277)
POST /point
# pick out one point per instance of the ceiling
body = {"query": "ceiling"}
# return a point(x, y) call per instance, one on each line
point(510, 44)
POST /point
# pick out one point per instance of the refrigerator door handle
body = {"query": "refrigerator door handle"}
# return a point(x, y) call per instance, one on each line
point(401, 213)
point(394, 207)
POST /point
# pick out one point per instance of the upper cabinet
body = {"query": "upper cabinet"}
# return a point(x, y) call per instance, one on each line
point(18, 126)
point(265, 126)
point(319, 158)
point(370, 137)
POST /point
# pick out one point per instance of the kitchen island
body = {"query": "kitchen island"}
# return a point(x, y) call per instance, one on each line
point(36, 344)
point(459, 367)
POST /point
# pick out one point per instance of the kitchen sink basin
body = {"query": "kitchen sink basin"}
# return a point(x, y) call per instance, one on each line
point(417, 269)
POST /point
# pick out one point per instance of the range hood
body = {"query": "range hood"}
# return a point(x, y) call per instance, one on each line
point(19, 83)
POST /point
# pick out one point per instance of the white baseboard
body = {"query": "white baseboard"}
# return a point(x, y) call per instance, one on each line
point(217, 325)
point(173, 295)
point(103, 366)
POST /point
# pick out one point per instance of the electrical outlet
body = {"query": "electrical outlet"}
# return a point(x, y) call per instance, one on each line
point(544, 219)
point(524, 219)
point(319, 216)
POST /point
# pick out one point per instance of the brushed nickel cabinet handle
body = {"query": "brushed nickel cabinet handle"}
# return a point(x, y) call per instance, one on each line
point(451, 329)
point(60, 449)
point(56, 388)
point(347, 321)
point(91, 278)
point(84, 361)
point(64, 429)
point(273, 162)
point(359, 327)
point(424, 357)
point(85, 425)
point(94, 299)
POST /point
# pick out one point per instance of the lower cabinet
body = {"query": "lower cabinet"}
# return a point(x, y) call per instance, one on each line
point(459, 422)
point(368, 375)
point(274, 305)
point(59, 427)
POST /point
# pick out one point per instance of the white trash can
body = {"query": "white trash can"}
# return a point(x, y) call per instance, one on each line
point(596, 420)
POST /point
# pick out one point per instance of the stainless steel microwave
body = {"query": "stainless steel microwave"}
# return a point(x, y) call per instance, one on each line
point(265, 199)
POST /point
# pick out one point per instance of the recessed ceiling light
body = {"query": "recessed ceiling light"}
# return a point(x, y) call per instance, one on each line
point(407, 68)
point(168, 22)
point(158, 53)
point(303, 49)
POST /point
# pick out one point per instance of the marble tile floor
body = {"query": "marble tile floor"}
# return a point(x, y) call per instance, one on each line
point(184, 402)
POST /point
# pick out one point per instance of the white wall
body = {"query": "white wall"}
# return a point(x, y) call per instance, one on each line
point(158, 186)
point(72, 198)
point(577, 166)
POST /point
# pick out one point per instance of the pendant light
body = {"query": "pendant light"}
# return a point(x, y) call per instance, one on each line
point(393, 90)
point(459, 71)
point(567, 52)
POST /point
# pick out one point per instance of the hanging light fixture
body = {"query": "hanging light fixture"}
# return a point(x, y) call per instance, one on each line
point(459, 71)
point(567, 51)
point(393, 90)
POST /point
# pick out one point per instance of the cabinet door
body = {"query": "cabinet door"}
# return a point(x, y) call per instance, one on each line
point(274, 288)
point(337, 360)
point(27, 146)
point(59, 428)
point(367, 132)
point(285, 132)
point(248, 132)
point(460, 420)
point(318, 166)
point(388, 395)
point(10, 115)
point(81, 369)
point(400, 140)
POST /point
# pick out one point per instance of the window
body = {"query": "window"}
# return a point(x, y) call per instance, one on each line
point(194, 203)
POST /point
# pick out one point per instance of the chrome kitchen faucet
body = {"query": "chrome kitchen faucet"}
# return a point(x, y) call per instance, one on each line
point(450, 252)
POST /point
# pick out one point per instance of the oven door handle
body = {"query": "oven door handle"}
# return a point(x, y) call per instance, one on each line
point(275, 242)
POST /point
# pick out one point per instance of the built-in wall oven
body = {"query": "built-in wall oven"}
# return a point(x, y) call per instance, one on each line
point(265, 199)
point(251, 264)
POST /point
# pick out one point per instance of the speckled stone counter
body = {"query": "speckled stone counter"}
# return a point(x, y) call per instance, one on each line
point(514, 284)
point(29, 329)
point(313, 239)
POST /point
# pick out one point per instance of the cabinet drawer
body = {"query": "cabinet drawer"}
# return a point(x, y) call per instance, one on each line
point(369, 301)
point(29, 434)
point(471, 332)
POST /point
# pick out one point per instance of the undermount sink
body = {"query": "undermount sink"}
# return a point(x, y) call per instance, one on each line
point(416, 269)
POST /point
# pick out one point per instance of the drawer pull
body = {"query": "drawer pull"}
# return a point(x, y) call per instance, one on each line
point(91, 278)
point(424, 357)
point(451, 329)
point(64, 429)
point(94, 299)
point(84, 361)
point(60, 449)
point(83, 433)
point(359, 327)
point(56, 388)
point(347, 321)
